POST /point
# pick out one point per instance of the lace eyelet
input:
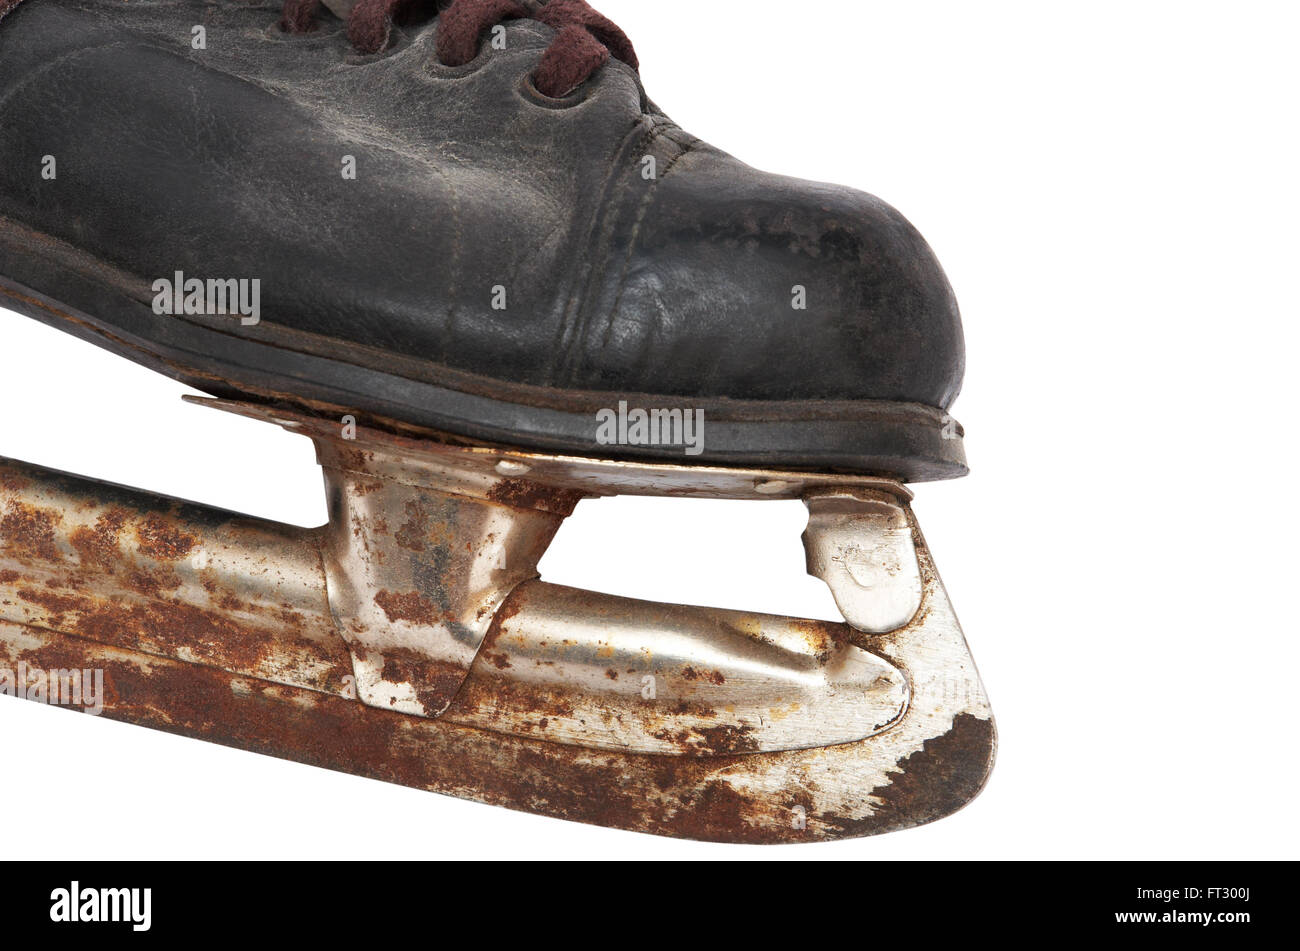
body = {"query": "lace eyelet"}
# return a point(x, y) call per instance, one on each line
point(398, 41)
point(528, 89)
point(436, 67)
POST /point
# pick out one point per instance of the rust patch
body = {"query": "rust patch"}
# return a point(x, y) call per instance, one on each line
point(13, 482)
point(822, 637)
point(353, 459)
point(55, 604)
point(29, 530)
point(716, 807)
point(163, 541)
point(435, 682)
point(714, 677)
point(512, 606)
point(728, 739)
point(153, 583)
point(99, 547)
point(169, 626)
point(518, 703)
point(723, 740)
point(523, 494)
point(488, 649)
point(415, 530)
point(938, 779)
point(409, 606)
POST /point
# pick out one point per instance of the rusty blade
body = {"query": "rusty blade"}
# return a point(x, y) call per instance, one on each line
point(410, 640)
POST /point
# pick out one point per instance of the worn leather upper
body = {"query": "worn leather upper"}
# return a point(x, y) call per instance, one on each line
point(226, 162)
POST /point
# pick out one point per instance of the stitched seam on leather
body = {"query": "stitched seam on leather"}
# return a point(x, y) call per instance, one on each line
point(574, 347)
point(46, 67)
point(635, 235)
point(569, 330)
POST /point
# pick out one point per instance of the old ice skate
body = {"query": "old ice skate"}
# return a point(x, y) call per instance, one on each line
point(527, 243)
point(409, 640)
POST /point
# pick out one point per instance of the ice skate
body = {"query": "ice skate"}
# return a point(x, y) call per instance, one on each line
point(466, 256)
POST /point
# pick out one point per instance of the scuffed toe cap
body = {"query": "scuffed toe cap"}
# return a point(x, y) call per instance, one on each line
point(745, 285)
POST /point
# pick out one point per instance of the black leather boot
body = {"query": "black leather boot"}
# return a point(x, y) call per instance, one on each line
point(472, 221)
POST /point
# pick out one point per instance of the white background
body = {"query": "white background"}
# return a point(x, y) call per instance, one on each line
point(1113, 191)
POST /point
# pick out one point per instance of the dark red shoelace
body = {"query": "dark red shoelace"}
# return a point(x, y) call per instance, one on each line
point(584, 39)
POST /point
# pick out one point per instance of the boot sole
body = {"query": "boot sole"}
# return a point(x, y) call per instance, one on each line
point(905, 441)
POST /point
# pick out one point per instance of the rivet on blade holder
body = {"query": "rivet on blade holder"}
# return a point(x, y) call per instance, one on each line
point(859, 541)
